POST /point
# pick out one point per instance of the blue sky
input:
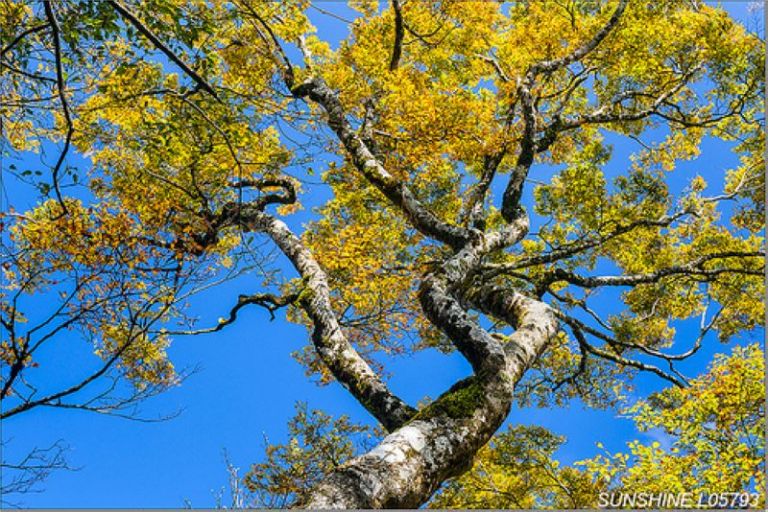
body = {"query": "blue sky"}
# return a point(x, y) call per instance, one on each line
point(247, 385)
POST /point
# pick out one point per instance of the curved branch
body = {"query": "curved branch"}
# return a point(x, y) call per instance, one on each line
point(482, 350)
point(582, 51)
point(586, 346)
point(287, 197)
point(366, 162)
point(266, 300)
point(438, 443)
point(344, 362)
point(440, 292)
point(55, 29)
point(22, 35)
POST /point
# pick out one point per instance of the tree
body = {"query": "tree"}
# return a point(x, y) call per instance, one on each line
point(202, 123)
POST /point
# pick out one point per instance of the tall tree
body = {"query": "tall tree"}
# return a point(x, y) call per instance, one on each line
point(433, 121)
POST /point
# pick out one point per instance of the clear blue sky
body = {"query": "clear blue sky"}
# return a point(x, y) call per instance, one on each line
point(248, 383)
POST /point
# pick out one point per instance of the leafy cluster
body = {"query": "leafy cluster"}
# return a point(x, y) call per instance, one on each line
point(317, 444)
point(713, 434)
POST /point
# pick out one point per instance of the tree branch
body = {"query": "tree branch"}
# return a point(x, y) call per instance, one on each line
point(344, 362)
point(16, 40)
point(397, 47)
point(266, 300)
point(576, 248)
point(579, 53)
point(693, 268)
point(146, 32)
point(514, 189)
point(619, 359)
point(367, 163)
point(64, 103)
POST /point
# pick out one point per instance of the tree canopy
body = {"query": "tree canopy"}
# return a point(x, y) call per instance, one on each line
point(458, 161)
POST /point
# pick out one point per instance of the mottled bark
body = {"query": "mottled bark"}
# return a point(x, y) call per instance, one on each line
point(366, 162)
point(344, 362)
point(440, 298)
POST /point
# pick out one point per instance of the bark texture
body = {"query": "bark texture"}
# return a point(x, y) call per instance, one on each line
point(347, 366)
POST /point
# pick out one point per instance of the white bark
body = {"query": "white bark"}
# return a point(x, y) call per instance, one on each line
point(346, 365)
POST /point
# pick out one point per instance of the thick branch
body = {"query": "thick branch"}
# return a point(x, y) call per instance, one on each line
point(510, 202)
point(440, 441)
point(482, 350)
point(288, 195)
point(440, 292)
point(397, 48)
point(346, 365)
point(367, 163)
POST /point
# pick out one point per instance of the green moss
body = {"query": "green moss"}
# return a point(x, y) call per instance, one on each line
point(306, 293)
point(460, 401)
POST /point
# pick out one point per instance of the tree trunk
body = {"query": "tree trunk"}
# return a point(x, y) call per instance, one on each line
point(440, 442)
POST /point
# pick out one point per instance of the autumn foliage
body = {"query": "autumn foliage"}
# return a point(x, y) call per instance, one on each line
point(445, 175)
